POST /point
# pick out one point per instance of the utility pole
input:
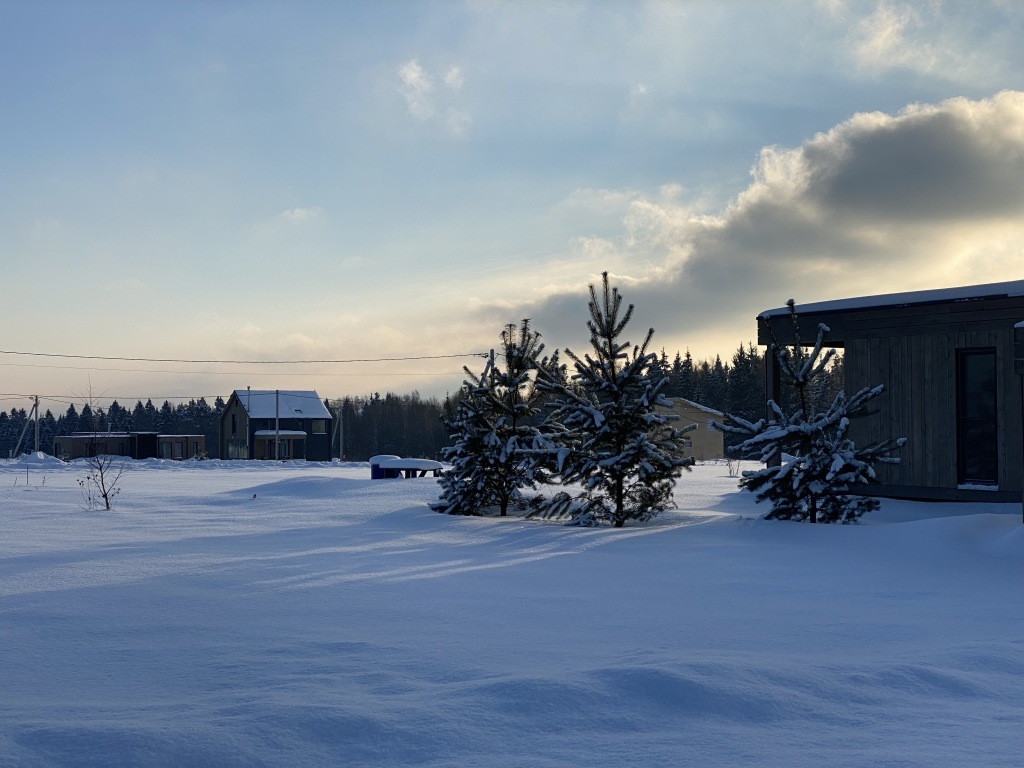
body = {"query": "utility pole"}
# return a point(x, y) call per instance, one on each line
point(35, 410)
point(248, 422)
point(277, 424)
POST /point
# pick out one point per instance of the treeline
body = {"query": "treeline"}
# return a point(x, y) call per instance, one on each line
point(737, 386)
point(405, 425)
point(196, 417)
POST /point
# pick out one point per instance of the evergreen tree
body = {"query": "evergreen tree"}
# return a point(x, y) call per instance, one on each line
point(69, 422)
point(746, 396)
point(149, 417)
point(684, 378)
point(497, 441)
point(47, 431)
point(812, 466)
point(87, 419)
point(165, 420)
point(618, 446)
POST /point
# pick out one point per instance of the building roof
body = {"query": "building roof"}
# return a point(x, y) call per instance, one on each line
point(934, 296)
point(291, 404)
point(698, 406)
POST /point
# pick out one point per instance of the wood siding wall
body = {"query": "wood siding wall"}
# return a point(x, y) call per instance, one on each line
point(919, 403)
point(234, 407)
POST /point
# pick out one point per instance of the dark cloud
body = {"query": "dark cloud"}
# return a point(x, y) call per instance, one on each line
point(956, 160)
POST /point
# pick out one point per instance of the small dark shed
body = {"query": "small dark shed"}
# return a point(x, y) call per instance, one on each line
point(946, 358)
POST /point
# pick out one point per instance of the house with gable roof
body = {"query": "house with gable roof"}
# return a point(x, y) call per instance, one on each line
point(275, 424)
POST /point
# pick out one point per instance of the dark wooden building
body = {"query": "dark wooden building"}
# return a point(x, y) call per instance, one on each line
point(275, 424)
point(946, 359)
point(134, 445)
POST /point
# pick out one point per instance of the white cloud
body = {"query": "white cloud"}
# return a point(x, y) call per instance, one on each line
point(884, 44)
point(416, 88)
point(426, 103)
point(453, 78)
point(974, 44)
point(301, 215)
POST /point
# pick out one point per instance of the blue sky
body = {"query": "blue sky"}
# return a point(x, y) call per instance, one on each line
point(313, 180)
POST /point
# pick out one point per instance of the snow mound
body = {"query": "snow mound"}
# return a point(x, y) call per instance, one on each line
point(37, 459)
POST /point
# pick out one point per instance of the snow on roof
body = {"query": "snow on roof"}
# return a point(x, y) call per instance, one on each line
point(676, 400)
point(281, 433)
point(294, 404)
point(962, 293)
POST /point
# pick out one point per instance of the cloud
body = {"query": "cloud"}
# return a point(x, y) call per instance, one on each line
point(973, 44)
point(928, 197)
point(427, 103)
point(453, 78)
point(301, 215)
point(882, 42)
point(417, 87)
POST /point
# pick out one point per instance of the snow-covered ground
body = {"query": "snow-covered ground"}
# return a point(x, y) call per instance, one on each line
point(250, 614)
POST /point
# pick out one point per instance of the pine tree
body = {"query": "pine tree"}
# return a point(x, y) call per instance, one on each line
point(684, 377)
point(618, 446)
point(497, 441)
point(812, 466)
point(165, 419)
point(87, 421)
point(746, 396)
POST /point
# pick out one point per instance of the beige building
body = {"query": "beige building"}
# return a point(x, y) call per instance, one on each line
point(701, 443)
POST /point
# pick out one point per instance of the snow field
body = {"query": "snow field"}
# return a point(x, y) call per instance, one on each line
point(335, 620)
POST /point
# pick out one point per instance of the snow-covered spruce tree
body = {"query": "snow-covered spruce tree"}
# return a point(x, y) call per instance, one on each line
point(812, 466)
point(497, 439)
point(615, 442)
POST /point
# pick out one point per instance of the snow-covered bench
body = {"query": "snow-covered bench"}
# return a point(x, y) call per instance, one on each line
point(394, 466)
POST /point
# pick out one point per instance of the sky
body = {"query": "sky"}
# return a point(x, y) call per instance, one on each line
point(272, 181)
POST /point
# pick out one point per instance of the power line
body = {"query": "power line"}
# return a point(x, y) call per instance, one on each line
point(245, 362)
point(209, 373)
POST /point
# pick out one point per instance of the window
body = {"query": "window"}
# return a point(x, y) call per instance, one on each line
point(234, 424)
point(977, 423)
point(318, 426)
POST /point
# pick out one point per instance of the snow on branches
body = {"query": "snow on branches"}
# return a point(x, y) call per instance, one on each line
point(812, 467)
point(497, 442)
point(614, 441)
